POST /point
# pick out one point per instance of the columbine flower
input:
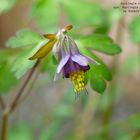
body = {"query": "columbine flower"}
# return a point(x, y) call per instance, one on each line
point(73, 64)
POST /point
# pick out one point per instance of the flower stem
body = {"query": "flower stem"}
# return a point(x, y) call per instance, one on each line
point(30, 87)
point(8, 110)
point(21, 90)
point(4, 129)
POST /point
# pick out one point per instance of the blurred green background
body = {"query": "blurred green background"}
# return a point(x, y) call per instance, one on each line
point(50, 112)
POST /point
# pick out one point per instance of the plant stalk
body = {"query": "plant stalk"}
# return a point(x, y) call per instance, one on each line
point(8, 110)
point(21, 90)
point(4, 128)
point(31, 85)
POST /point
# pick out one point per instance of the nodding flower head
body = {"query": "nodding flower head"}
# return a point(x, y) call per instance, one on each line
point(73, 64)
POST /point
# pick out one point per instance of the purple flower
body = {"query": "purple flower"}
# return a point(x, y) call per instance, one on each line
point(73, 64)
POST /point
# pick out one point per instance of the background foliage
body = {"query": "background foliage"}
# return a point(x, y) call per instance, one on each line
point(87, 118)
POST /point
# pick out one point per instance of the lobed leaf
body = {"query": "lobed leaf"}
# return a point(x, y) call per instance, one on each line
point(101, 43)
point(29, 42)
point(102, 67)
point(103, 71)
point(22, 63)
point(97, 73)
point(98, 84)
point(7, 78)
point(23, 38)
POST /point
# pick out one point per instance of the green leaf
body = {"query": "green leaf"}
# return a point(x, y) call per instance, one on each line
point(97, 83)
point(104, 29)
point(21, 132)
point(97, 73)
point(103, 71)
point(101, 43)
point(80, 12)
point(86, 78)
point(24, 37)
point(7, 78)
point(102, 68)
point(46, 14)
point(29, 42)
point(134, 29)
point(6, 5)
point(22, 63)
point(7, 54)
point(97, 78)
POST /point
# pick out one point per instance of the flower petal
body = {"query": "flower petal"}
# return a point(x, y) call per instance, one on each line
point(44, 50)
point(81, 60)
point(56, 50)
point(62, 63)
point(68, 45)
point(60, 66)
point(68, 27)
point(50, 36)
point(63, 52)
point(76, 50)
point(91, 60)
point(56, 76)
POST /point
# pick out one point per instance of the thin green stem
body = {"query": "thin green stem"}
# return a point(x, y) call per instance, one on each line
point(30, 87)
point(21, 90)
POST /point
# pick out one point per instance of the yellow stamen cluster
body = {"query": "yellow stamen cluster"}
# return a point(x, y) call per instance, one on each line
point(77, 79)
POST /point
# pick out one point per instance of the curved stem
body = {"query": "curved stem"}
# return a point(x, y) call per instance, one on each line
point(28, 91)
point(21, 90)
point(11, 107)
